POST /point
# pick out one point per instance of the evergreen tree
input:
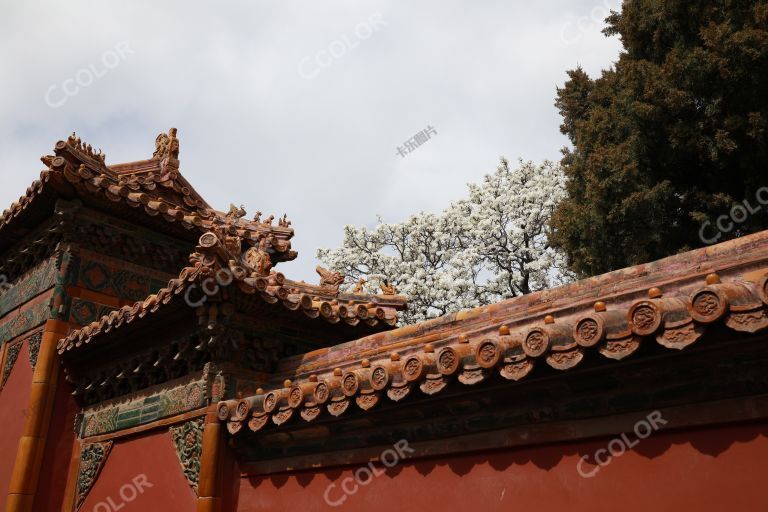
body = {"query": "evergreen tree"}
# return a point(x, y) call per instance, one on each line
point(668, 139)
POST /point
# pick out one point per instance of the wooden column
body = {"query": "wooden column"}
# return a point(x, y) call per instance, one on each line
point(209, 487)
point(29, 455)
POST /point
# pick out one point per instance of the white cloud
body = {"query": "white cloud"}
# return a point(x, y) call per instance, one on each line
point(254, 131)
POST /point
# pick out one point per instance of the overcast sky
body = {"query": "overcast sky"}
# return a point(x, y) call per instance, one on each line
point(297, 107)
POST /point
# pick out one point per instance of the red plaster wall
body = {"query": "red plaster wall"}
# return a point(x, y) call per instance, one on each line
point(58, 449)
point(230, 474)
point(705, 470)
point(153, 456)
point(14, 398)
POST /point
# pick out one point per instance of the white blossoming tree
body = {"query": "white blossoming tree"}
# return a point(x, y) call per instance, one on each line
point(489, 246)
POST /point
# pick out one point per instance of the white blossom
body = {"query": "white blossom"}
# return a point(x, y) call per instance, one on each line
point(484, 248)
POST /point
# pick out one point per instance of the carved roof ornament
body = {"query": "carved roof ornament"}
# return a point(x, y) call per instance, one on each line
point(233, 244)
point(75, 142)
point(359, 286)
point(235, 212)
point(388, 288)
point(167, 150)
point(283, 221)
point(258, 259)
point(512, 338)
point(330, 278)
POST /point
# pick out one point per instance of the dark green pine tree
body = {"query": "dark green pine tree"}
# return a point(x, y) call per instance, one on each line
point(670, 137)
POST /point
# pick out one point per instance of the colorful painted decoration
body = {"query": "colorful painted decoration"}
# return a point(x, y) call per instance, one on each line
point(188, 439)
point(92, 459)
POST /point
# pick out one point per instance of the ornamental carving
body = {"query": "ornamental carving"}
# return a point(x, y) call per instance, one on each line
point(412, 368)
point(397, 393)
point(587, 332)
point(350, 384)
point(367, 401)
point(565, 360)
point(330, 279)
point(388, 288)
point(242, 409)
point(321, 393)
point(379, 378)
point(536, 343)
point(487, 354)
point(236, 212)
point(166, 146)
point(472, 376)
point(34, 342)
point(75, 142)
point(233, 244)
point(12, 353)
point(338, 407)
point(258, 421)
point(282, 416)
point(516, 371)
point(258, 260)
point(620, 348)
point(680, 336)
point(270, 402)
point(433, 385)
point(447, 361)
point(295, 397)
point(310, 413)
point(748, 321)
point(644, 318)
point(218, 388)
point(706, 303)
point(92, 459)
point(188, 440)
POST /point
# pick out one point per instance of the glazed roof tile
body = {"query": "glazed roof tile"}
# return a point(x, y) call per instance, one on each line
point(672, 303)
point(217, 253)
point(154, 186)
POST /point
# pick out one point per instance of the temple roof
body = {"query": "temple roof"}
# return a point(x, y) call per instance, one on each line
point(665, 306)
point(220, 262)
point(154, 188)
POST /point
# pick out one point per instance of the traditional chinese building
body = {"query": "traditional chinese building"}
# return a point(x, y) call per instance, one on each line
point(154, 358)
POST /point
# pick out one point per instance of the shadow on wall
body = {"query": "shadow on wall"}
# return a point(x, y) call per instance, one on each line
point(710, 442)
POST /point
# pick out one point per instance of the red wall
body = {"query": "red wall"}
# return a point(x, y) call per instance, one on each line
point(705, 470)
point(14, 399)
point(142, 474)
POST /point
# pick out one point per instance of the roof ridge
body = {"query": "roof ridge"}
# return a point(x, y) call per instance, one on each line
point(155, 186)
point(478, 344)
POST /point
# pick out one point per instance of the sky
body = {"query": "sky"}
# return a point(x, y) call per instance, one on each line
point(301, 107)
